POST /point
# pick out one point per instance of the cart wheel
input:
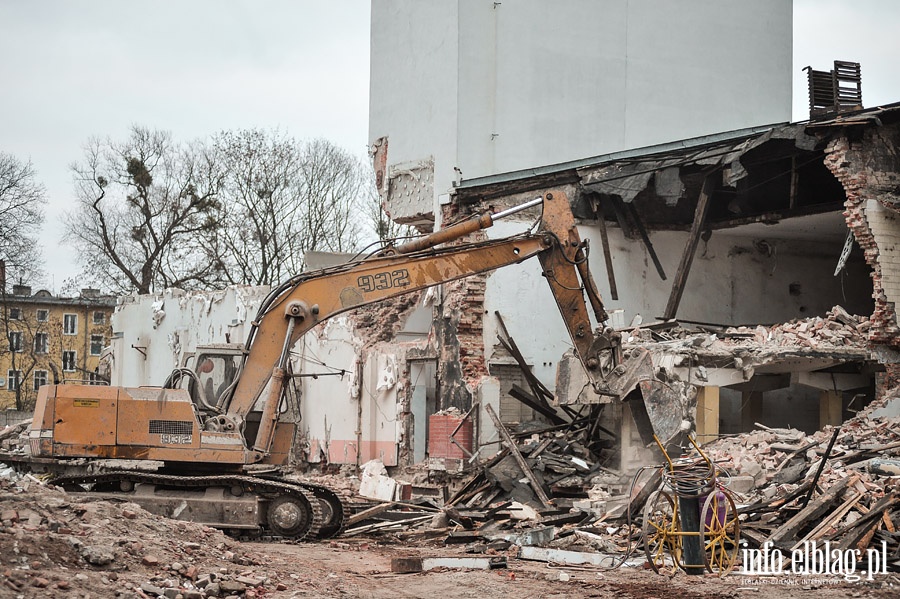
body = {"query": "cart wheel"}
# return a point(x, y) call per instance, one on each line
point(662, 541)
point(720, 532)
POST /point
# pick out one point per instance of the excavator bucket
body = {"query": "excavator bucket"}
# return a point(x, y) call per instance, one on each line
point(656, 407)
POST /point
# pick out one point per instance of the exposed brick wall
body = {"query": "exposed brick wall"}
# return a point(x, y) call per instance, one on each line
point(383, 320)
point(461, 334)
point(868, 168)
point(466, 299)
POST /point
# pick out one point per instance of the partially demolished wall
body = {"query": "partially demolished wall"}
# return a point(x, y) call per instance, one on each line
point(868, 166)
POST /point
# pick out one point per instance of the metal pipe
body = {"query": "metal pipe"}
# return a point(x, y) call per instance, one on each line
point(519, 208)
point(476, 223)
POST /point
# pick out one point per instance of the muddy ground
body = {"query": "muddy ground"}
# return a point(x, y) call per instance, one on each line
point(54, 544)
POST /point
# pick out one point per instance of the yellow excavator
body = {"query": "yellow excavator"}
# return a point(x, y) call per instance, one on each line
point(210, 426)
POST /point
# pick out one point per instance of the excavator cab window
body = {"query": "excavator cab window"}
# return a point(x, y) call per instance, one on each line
point(215, 373)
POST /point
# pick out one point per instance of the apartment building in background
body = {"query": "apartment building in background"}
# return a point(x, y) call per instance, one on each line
point(50, 338)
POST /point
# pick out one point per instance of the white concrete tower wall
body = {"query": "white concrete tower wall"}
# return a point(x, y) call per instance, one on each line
point(490, 87)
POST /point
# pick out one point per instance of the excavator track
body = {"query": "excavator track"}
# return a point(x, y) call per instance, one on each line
point(294, 510)
point(336, 513)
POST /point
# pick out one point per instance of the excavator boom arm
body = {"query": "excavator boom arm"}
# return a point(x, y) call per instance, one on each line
point(294, 308)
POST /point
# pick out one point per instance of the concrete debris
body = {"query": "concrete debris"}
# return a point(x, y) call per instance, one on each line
point(408, 565)
point(802, 493)
point(375, 482)
point(837, 330)
point(62, 543)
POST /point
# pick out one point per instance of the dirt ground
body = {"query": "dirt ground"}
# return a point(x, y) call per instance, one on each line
point(54, 544)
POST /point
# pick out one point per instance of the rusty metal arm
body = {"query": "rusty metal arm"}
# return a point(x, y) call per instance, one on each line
point(566, 270)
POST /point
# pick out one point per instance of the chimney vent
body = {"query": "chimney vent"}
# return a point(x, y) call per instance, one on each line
point(835, 91)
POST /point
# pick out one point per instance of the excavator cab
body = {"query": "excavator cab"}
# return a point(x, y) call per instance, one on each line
point(215, 367)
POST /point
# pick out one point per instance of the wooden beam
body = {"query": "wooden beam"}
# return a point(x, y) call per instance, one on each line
point(514, 450)
point(638, 223)
point(785, 536)
point(707, 416)
point(369, 513)
point(690, 248)
point(523, 396)
point(831, 408)
point(607, 253)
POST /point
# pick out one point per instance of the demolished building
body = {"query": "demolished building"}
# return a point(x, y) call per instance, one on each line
point(757, 266)
point(753, 227)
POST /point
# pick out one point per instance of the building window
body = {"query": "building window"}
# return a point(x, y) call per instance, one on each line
point(69, 361)
point(40, 379)
point(70, 324)
point(12, 379)
point(43, 315)
point(41, 342)
point(15, 313)
point(96, 344)
point(15, 341)
point(99, 318)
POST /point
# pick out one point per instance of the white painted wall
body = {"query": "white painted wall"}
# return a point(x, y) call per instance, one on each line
point(151, 333)
point(730, 281)
point(491, 87)
point(167, 325)
point(352, 418)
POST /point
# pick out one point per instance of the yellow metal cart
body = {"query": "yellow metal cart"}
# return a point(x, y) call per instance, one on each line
point(691, 522)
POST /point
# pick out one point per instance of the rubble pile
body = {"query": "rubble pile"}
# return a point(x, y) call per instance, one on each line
point(793, 490)
point(838, 329)
point(54, 543)
point(545, 489)
point(14, 438)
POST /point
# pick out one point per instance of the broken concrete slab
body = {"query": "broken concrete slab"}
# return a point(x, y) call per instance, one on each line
point(408, 565)
point(568, 558)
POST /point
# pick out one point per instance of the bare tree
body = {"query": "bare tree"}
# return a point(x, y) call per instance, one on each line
point(379, 225)
point(330, 185)
point(22, 199)
point(143, 205)
point(280, 199)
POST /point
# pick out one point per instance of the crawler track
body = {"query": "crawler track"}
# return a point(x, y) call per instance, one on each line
point(294, 509)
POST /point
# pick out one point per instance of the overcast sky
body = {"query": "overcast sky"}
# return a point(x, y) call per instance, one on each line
point(72, 69)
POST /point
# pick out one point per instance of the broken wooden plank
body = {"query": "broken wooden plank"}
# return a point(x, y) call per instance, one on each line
point(523, 396)
point(690, 248)
point(646, 239)
point(788, 532)
point(369, 513)
point(776, 503)
point(539, 390)
point(888, 523)
point(822, 462)
point(523, 465)
point(819, 531)
point(867, 537)
point(457, 537)
point(607, 253)
point(386, 525)
point(852, 533)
